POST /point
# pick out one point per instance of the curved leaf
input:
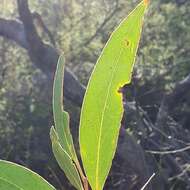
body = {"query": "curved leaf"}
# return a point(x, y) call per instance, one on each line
point(102, 106)
point(65, 161)
point(62, 142)
point(61, 118)
point(19, 177)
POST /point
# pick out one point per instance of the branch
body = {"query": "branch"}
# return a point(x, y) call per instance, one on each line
point(36, 16)
point(37, 50)
point(13, 30)
point(176, 151)
point(42, 55)
point(100, 28)
point(30, 30)
point(46, 57)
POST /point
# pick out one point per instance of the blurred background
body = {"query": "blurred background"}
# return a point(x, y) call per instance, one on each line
point(155, 136)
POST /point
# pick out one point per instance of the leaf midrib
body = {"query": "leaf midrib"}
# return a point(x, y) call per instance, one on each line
point(102, 116)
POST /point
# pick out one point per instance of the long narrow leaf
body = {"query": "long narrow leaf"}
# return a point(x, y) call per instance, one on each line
point(102, 107)
point(65, 161)
point(63, 147)
point(14, 176)
point(61, 118)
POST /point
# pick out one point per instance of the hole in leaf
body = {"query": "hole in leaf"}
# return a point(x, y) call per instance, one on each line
point(126, 42)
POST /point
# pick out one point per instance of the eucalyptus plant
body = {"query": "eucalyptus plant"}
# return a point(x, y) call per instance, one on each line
point(100, 119)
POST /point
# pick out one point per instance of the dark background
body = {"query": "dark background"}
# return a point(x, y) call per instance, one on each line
point(157, 113)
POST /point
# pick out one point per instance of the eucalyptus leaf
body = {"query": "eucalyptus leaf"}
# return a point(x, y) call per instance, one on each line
point(5, 185)
point(14, 176)
point(102, 106)
point(65, 161)
point(61, 118)
point(62, 142)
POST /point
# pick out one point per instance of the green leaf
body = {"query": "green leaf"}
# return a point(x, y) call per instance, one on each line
point(14, 176)
point(7, 185)
point(61, 118)
point(102, 106)
point(62, 142)
point(65, 161)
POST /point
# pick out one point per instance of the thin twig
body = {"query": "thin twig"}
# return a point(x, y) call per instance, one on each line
point(146, 184)
point(83, 177)
point(169, 152)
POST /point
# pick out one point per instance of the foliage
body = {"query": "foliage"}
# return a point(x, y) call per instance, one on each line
point(102, 107)
point(25, 110)
point(108, 76)
point(62, 142)
point(168, 30)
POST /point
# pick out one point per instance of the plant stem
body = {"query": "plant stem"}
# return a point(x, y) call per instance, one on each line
point(83, 177)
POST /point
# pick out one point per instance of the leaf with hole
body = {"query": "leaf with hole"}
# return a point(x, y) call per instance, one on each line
point(102, 106)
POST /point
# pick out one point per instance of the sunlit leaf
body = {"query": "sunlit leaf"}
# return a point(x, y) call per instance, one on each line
point(14, 176)
point(65, 161)
point(7, 185)
point(102, 107)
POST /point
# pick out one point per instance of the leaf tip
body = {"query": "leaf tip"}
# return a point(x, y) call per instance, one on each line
point(146, 2)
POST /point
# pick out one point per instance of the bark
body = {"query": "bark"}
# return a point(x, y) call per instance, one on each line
point(13, 30)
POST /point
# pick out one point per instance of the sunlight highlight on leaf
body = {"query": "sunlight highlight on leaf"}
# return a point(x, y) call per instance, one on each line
point(102, 107)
